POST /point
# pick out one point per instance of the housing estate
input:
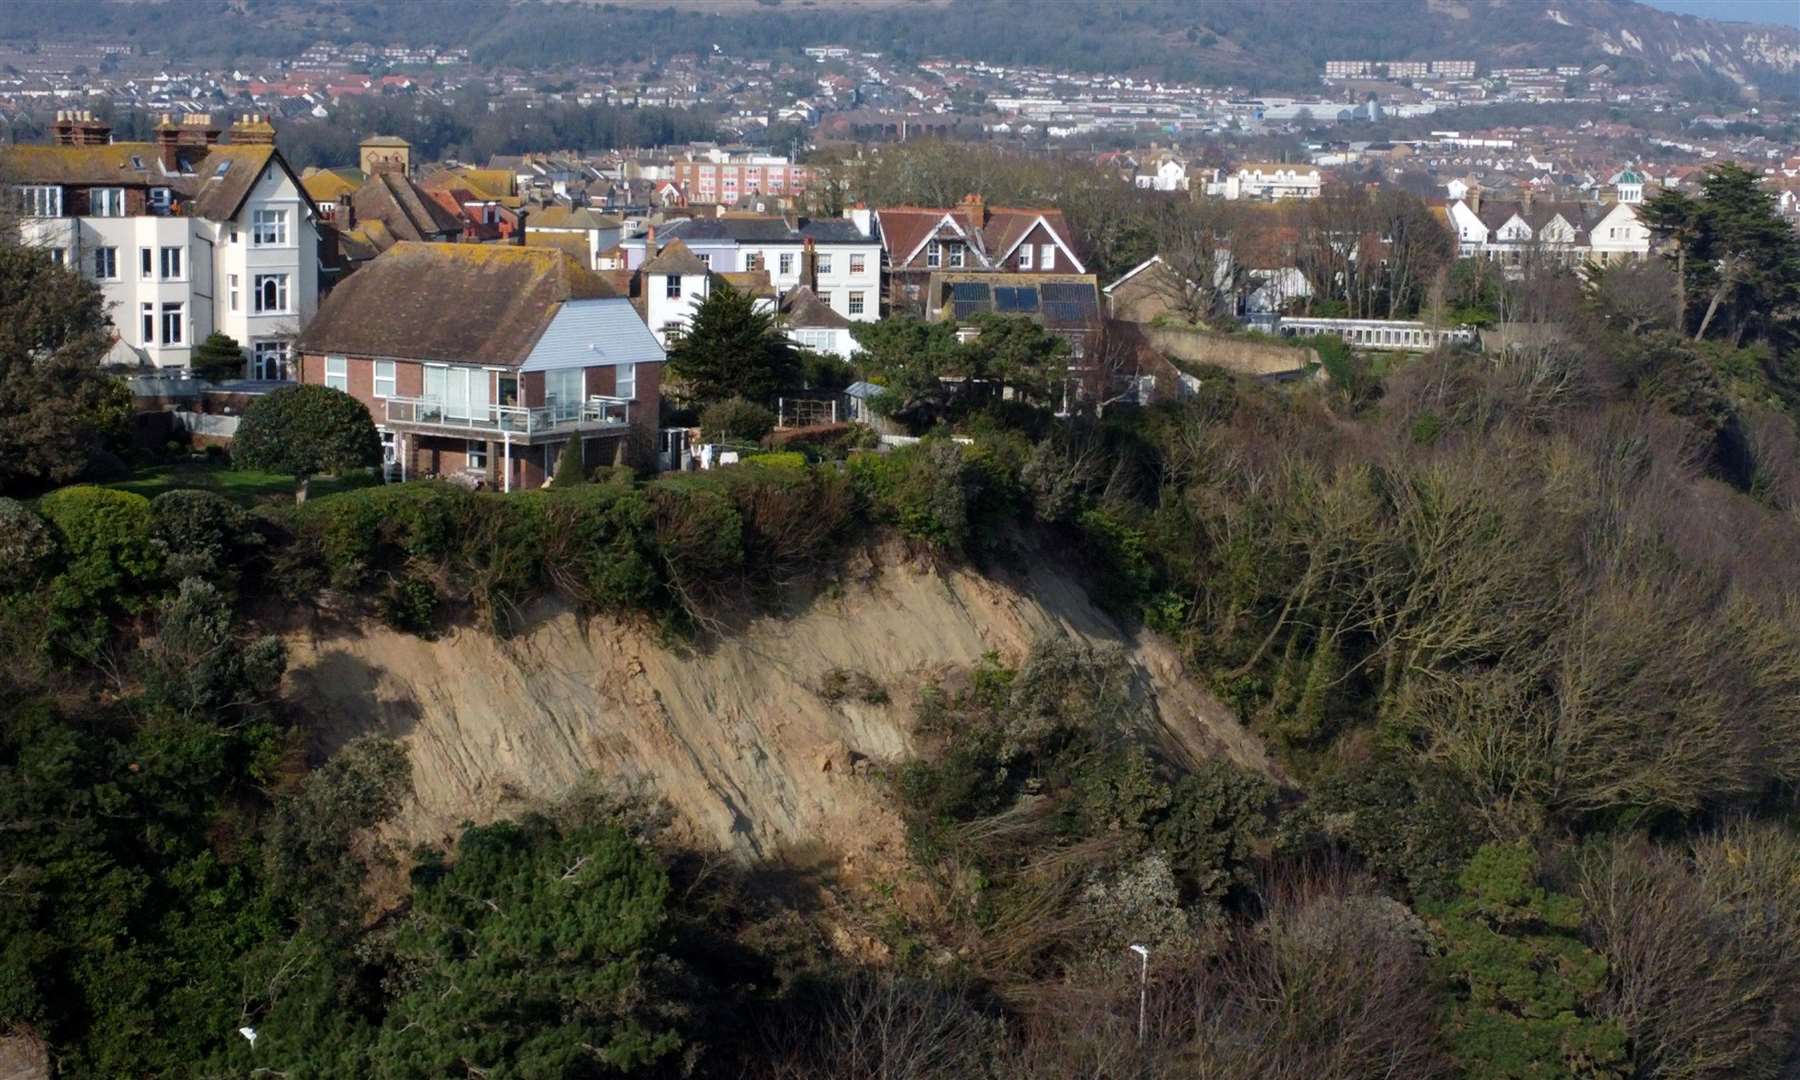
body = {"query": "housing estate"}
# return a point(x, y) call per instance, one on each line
point(481, 360)
point(202, 229)
point(1568, 232)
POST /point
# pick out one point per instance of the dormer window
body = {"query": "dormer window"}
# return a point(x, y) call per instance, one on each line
point(934, 254)
point(137, 163)
point(41, 200)
point(956, 254)
point(106, 202)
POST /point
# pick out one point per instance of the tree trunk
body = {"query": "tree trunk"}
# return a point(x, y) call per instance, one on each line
point(300, 486)
point(1681, 288)
point(1712, 308)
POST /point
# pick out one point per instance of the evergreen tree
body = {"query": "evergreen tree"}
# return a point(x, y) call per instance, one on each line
point(570, 469)
point(218, 358)
point(730, 349)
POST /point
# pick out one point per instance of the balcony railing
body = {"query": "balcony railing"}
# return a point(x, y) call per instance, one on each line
point(516, 420)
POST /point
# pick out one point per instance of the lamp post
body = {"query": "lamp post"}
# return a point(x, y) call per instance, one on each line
point(1143, 987)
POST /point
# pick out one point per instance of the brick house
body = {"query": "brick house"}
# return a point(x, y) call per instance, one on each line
point(971, 237)
point(479, 361)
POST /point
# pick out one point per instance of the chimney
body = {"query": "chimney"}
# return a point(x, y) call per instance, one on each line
point(77, 127)
point(809, 265)
point(168, 144)
point(1475, 198)
point(520, 214)
point(63, 131)
point(650, 243)
point(253, 129)
point(975, 209)
point(198, 129)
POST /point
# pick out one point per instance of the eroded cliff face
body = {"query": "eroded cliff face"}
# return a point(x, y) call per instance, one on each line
point(734, 734)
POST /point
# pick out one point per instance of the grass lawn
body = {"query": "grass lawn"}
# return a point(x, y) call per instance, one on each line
point(243, 486)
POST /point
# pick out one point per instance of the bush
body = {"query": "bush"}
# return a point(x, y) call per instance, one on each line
point(27, 545)
point(571, 469)
point(112, 563)
point(206, 535)
point(218, 358)
point(786, 459)
point(920, 489)
point(736, 420)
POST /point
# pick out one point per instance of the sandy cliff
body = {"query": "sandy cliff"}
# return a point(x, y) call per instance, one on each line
point(735, 735)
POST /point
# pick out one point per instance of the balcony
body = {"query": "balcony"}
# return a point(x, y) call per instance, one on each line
point(518, 423)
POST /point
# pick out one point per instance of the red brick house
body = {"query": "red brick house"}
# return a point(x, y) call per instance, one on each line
point(971, 237)
point(480, 360)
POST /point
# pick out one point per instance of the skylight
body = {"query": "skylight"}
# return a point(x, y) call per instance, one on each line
point(224, 167)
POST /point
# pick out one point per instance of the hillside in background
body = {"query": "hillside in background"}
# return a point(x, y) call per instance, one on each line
point(1265, 46)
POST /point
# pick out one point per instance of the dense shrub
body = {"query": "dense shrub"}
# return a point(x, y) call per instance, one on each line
point(27, 546)
point(736, 420)
point(205, 534)
point(921, 489)
point(112, 563)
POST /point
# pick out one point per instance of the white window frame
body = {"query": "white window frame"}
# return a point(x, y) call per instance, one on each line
point(859, 263)
point(147, 262)
point(169, 262)
point(231, 290)
point(786, 263)
point(672, 287)
point(564, 391)
point(625, 381)
point(59, 257)
point(1025, 256)
point(340, 378)
point(958, 255)
point(854, 305)
point(387, 378)
point(824, 262)
point(106, 202)
point(268, 228)
point(1046, 256)
point(106, 264)
point(267, 351)
point(41, 200)
point(174, 317)
point(282, 297)
point(147, 323)
point(475, 455)
point(934, 254)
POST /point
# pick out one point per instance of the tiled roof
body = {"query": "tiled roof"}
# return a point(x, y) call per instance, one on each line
point(463, 303)
point(675, 258)
point(570, 217)
point(409, 213)
point(802, 308)
point(215, 194)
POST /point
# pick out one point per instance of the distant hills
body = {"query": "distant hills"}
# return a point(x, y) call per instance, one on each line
point(1266, 46)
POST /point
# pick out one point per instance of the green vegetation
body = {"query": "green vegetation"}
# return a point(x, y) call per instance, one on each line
point(304, 430)
point(729, 349)
point(218, 358)
point(246, 487)
point(736, 420)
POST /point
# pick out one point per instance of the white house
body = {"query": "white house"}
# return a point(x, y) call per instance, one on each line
point(1267, 180)
point(185, 235)
point(848, 278)
point(1170, 174)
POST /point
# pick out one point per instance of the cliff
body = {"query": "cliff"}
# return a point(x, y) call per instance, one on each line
point(737, 735)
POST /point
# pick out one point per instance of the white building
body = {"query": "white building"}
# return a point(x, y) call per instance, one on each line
point(1170, 174)
point(848, 278)
point(1267, 180)
point(185, 235)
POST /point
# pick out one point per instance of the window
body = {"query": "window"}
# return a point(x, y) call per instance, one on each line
point(106, 263)
point(106, 202)
point(234, 234)
point(146, 262)
point(59, 257)
point(625, 381)
point(859, 264)
point(787, 263)
point(477, 452)
point(1047, 257)
point(562, 393)
point(705, 260)
point(753, 261)
point(934, 254)
point(269, 359)
point(956, 254)
point(385, 380)
point(1025, 256)
point(41, 201)
point(171, 264)
point(160, 199)
point(337, 373)
point(231, 283)
point(462, 392)
point(672, 288)
point(172, 324)
point(856, 303)
point(824, 263)
point(271, 293)
point(148, 325)
point(268, 228)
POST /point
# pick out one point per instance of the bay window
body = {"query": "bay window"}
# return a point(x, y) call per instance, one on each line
point(268, 228)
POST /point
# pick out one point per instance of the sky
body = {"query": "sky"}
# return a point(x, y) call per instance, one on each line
point(1781, 12)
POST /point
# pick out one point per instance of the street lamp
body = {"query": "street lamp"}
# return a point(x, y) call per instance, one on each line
point(1143, 987)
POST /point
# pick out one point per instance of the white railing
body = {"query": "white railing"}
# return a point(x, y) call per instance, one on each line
point(518, 420)
point(1396, 334)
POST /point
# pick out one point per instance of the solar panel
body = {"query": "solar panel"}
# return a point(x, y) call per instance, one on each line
point(1015, 298)
point(968, 292)
point(968, 309)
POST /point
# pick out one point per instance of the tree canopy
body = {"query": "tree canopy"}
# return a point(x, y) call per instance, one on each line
point(305, 430)
point(730, 349)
